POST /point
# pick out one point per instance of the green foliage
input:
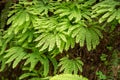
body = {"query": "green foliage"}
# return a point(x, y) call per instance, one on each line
point(115, 63)
point(103, 57)
point(34, 58)
point(68, 77)
point(14, 54)
point(108, 10)
point(101, 76)
point(70, 65)
point(3, 64)
point(1, 40)
point(39, 30)
point(4, 13)
point(65, 25)
point(28, 74)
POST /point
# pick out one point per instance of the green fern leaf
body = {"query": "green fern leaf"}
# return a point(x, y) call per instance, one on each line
point(101, 11)
point(107, 10)
point(55, 63)
point(22, 37)
point(52, 43)
point(25, 75)
point(58, 41)
point(46, 66)
point(75, 69)
point(25, 27)
point(11, 58)
point(75, 32)
point(27, 18)
point(21, 18)
point(32, 59)
point(79, 64)
point(3, 64)
point(72, 42)
point(42, 41)
point(30, 38)
point(14, 17)
point(98, 32)
point(62, 47)
point(63, 64)
point(45, 46)
point(11, 19)
point(68, 43)
point(63, 37)
point(117, 15)
point(18, 59)
point(55, 52)
point(70, 65)
point(112, 17)
point(12, 12)
point(87, 17)
point(17, 19)
point(88, 40)
point(41, 36)
point(15, 54)
point(81, 36)
point(95, 39)
point(106, 14)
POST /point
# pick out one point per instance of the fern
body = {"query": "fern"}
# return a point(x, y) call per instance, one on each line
point(21, 21)
point(39, 30)
point(108, 10)
point(33, 73)
point(56, 32)
point(90, 35)
point(3, 64)
point(15, 55)
point(70, 65)
point(54, 63)
point(68, 77)
point(27, 75)
point(74, 10)
point(5, 39)
point(50, 34)
point(34, 58)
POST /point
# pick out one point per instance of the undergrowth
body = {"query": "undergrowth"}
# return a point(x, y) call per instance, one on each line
point(45, 38)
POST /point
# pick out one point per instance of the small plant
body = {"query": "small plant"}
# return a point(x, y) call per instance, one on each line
point(70, 65)
point(100, 75)
point(103, 57)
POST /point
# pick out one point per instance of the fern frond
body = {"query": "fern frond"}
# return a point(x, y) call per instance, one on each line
point(50, 37)
point(31, 59)
point(54, 63)
point(74, 10)
point(15, 55)
point(91, 36)
point(25, 75)
point(3, 64)
point(34, 58)
point(70, 65)
point(25, 38)
point(108, 11)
